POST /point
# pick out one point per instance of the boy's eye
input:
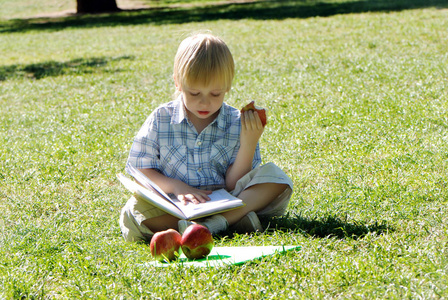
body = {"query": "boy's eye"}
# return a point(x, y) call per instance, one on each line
point(194, 94)
point(216, 95)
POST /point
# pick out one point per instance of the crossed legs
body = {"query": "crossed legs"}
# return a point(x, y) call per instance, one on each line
point(255, 197)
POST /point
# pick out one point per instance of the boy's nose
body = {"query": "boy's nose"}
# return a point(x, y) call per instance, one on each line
point(204, 100)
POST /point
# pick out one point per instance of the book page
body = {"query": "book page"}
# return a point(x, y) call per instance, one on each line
point(151, 197)
point(220, 200)
point(145, 181)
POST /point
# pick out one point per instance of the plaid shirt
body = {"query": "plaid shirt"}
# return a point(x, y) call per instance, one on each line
point(169, 143)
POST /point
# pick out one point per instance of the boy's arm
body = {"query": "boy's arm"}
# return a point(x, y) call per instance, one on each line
point(181, 190)
point(251, 131)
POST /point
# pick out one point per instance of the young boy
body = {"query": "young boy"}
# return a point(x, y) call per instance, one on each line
point(197, 143)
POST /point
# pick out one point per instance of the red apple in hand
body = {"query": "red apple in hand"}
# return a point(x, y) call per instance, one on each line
point(261, 111)
point(165, 245)
point(197, 241)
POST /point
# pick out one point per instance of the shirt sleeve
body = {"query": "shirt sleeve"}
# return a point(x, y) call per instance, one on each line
point(145, 150)
point(257, 157)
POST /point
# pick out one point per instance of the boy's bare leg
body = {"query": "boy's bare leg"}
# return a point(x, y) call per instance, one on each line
point(256, 198)
point(161, 223)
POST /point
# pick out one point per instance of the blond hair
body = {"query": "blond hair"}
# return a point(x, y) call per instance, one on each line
point(203, 58)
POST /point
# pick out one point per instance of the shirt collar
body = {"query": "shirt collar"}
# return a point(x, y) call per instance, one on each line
point(223, 119)
point(180, 114)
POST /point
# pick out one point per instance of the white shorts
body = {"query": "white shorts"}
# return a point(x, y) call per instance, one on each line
point(136, 211)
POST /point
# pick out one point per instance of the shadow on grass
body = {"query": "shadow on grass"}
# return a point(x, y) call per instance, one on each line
point(329, 227)
point(258, 10)
point(56, 68)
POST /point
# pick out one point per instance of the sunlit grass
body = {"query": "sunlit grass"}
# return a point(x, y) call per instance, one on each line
point(358, 119)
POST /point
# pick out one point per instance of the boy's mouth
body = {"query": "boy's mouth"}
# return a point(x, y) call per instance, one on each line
point(203, 112)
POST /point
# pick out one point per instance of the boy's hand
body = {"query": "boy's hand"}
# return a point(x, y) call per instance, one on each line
point(251, 128)
point(183, 192)
point(186, 193)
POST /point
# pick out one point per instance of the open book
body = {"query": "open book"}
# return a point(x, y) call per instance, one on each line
point(220, 200)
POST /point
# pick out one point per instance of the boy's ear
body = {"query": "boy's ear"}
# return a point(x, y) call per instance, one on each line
point(176, 83)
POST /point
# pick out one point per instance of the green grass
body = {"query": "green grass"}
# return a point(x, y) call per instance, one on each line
point(358, 119)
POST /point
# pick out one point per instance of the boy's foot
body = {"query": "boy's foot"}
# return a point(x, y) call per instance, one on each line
point(215, 223)
point(249, 223)
point(183, 224)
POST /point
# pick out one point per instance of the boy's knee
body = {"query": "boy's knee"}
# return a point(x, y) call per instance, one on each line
point(131, 229)
point(279, 206)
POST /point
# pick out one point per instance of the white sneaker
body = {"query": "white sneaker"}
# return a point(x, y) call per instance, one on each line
point(183, 224)
point(249, 223)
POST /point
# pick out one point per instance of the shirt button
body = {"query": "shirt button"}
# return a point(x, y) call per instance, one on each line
point(199, 143)
point(199, 169)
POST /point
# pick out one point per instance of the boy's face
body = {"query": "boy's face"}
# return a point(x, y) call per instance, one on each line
point(203, 102)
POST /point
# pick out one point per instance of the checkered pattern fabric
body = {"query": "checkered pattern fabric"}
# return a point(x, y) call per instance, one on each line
point(169, 143)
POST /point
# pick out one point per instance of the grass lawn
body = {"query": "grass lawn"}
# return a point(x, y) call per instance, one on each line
point(357, 97)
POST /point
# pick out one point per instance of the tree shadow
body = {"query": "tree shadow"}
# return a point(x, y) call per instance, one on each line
point(257, 10)
point(330, 226)
point(56, 68)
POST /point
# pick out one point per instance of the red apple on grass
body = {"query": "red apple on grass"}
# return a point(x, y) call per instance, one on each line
point(165, 245)
point(261, 111)
point(197, 241)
